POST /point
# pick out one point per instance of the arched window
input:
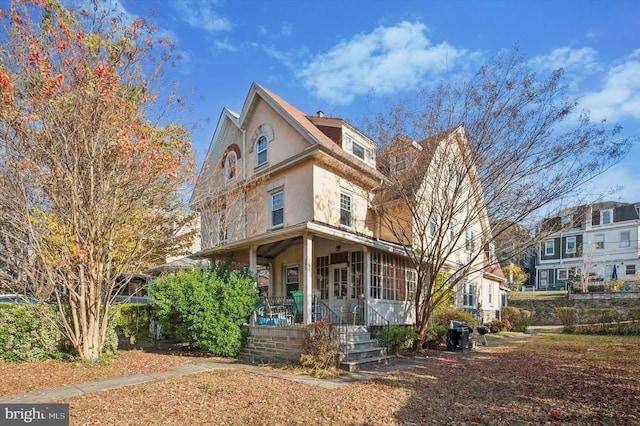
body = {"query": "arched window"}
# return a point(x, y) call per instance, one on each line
point(261, 150)
point(230, 165)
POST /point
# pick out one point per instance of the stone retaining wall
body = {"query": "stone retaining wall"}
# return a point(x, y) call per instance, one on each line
point(268, 344)
point(544, 311)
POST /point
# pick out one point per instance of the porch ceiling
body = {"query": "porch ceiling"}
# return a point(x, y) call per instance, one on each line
point(271, 250)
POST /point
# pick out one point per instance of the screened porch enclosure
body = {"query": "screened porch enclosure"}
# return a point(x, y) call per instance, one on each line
point(350, 284)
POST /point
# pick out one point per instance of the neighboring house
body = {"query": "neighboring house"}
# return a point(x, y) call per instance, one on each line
point(516, 246)
point(294, 193)
point(591, 245)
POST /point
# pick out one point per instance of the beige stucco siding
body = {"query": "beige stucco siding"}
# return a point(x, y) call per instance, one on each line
point(286, 143)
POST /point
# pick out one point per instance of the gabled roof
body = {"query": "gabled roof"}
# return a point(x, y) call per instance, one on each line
point(294, 117)
point(423, 152)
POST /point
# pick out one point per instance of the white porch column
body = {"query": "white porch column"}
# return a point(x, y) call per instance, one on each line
point(307, 277)
point(253, 261)
point(367, 282)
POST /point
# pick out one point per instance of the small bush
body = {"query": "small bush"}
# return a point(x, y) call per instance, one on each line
point(498, 325)
point(520, 319)
point(567, 317)
point(600, 315)
point(397, 337)
point(594, 288)
point(633, 314)
point(133, 321)
point(439, 324)
point(27, 335)
point(320, 347)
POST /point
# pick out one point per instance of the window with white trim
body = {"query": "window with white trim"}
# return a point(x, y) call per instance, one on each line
point(357, 149)
point(470, 244)
point(630, 269)
point(625, 239)
point(346, 217)
point(292, 279)
point(468, 294)
point(452, 231)
point(606, 217)
point(599, 241)
point(563, 274)
point(261, 151)
point(222, 226)
point(230, 165)
point(566, 220)
point(276, 218)
point(549, 248)
point(570, 245)
point(433, 224)
point(490, 294)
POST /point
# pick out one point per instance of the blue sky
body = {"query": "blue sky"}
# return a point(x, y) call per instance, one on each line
point(334, 55)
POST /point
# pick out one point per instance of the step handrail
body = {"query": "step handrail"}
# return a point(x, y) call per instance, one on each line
point(375, 318)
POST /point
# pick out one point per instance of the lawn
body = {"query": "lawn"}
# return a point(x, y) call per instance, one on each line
point(540, 379)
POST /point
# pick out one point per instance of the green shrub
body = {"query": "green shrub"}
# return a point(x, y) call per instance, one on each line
point(594, 288)
point(27, 335)
point(567, 317)
point(633, 314)
point(519, 318)
point(498, 325)
point(600, 315)
point(132, 320)
point(397, 337)
point(439, 324)
point(320, 347)
point(205, 308)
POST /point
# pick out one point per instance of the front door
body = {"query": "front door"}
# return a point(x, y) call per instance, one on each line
point(339, 288)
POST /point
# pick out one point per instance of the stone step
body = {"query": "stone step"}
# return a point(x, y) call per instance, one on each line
point(364, 363)
point(362, 353)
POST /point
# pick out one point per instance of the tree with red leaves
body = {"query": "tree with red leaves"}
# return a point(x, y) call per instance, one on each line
point(92, 175)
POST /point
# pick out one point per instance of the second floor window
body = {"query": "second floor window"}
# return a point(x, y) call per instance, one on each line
point(222, 227)
point(571, 245)
point(599, 241)
point(549, 248)
point(261, 151)
point(231, 165)
point(346, 217)
point(277, 209)
point(625, 239)
point(470, 243)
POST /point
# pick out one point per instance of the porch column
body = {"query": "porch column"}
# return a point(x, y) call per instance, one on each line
point(367, 282)
point(307, 277)
point(253, 261)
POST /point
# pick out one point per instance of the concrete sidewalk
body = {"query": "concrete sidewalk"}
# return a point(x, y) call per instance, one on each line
point(65, 392)
point(200, 366)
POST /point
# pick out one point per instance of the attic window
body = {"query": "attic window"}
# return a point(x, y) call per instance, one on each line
point(358, 150)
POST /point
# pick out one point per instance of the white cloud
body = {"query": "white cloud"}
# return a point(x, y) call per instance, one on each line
point(584, 59)
point(387, 60)
point(619, 97)
point(200, 14)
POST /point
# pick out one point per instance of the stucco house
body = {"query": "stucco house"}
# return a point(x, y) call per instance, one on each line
point(295, 194)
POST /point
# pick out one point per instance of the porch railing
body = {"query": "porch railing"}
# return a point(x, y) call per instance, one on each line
point(376, 322)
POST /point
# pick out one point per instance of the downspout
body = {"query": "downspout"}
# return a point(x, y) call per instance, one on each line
point(244, 177)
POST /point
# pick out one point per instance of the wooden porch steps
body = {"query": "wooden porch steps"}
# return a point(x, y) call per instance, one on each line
point(359, 351)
